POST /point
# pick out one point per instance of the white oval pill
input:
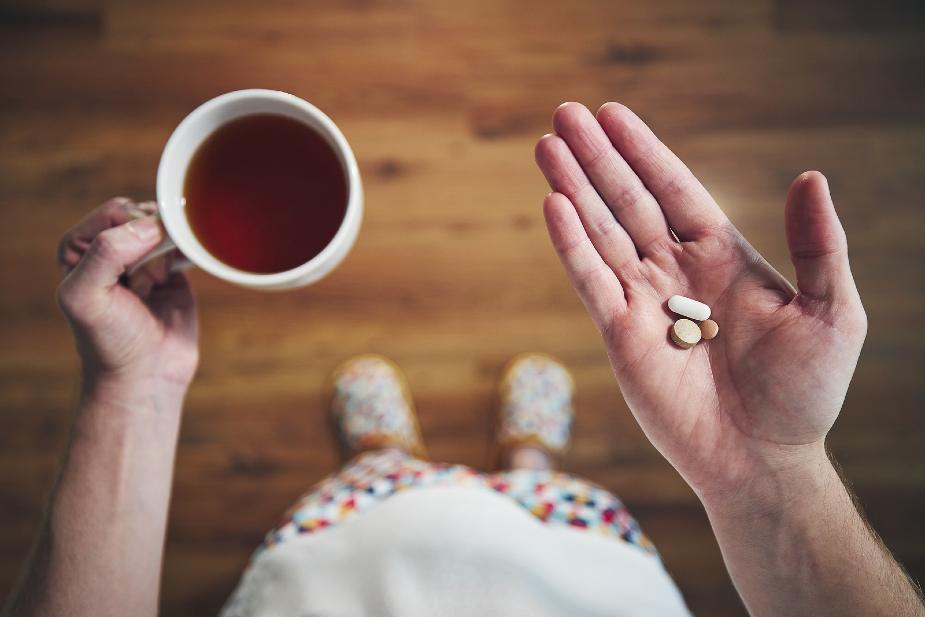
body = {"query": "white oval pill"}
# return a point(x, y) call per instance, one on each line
point(698, 311)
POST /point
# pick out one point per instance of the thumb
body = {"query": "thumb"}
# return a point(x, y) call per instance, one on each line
point(818, 246)
point(113, 250)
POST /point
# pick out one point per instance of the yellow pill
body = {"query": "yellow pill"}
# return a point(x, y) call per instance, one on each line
point(709, 329)
point(685, 333)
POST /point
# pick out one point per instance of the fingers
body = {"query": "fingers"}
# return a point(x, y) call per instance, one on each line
point(619, 186)
point(77, 240)
point(112, 251)
point(596, 284)
point(690, 210)
point(818, 246)
point(565, 176)
point(151, 273)
point(174, 304)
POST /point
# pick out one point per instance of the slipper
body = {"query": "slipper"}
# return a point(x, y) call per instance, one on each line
point(535, 405)
point(372, 407)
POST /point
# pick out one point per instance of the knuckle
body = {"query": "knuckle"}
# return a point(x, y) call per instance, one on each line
point(646, 159)
point(587, 282)
point(598, 155)
point(106, 244)
point(677, 187)
point(627, 197)
point(573, 187)
point(571, 249)
point(603, 226)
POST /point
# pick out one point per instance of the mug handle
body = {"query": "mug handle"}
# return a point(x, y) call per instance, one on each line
point(179, 262)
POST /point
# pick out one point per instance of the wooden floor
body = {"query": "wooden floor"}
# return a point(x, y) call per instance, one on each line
point(453, 273)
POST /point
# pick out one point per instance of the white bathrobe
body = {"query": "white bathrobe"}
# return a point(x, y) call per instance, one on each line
point(454, 552)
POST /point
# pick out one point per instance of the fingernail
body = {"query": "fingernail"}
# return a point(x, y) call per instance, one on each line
point(144, 229)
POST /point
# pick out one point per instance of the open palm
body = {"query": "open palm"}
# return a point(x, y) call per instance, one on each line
point(633, 227)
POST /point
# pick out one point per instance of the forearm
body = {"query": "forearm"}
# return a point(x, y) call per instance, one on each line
point(800, 547)
point(100, 549)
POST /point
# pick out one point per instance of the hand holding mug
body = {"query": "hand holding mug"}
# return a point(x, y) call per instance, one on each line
point(146, 332)
point(144, 335)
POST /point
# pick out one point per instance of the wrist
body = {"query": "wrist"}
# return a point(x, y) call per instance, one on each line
point(773, 484)
point(131, 393)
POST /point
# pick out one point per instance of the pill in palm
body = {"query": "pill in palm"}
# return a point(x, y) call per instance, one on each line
point(698, 311)
point(685, 333)
point(709, 329)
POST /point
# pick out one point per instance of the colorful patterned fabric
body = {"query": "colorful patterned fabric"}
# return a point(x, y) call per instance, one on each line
point(372, 477)
point(373, 407)
point(536, 403)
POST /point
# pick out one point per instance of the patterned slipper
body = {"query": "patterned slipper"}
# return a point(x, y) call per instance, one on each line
point(372, 407)
point(535, 405)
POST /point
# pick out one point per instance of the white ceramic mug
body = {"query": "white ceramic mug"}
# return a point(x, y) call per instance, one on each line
point(196, 128)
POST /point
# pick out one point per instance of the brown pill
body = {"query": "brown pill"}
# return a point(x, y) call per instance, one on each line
point(685, 333)
point(709, 329)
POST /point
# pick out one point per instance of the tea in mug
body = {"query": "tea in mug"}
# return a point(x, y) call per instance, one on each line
point(265, 193)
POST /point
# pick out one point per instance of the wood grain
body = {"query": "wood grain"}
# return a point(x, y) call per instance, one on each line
point(453, 273)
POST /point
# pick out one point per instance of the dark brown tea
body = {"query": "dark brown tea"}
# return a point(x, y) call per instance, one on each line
point(265, 193)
